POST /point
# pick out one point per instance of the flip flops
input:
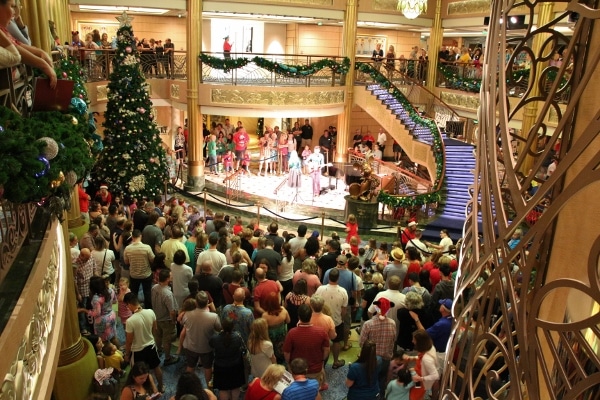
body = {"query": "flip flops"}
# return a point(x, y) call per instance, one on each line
point(339, 364)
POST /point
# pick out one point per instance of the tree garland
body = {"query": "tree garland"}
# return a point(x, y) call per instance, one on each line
point(227, 64)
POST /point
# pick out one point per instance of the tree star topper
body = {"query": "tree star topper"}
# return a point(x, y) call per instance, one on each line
point(124, 19)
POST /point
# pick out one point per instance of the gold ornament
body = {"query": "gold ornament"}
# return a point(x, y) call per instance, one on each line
point(58, 181)
point(75, 121)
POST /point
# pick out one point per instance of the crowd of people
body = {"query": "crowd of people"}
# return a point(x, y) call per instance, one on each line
point(243, 302)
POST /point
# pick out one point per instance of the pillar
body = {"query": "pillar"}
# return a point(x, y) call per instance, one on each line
point(348, 50)
point(35, 14)
point(77, 360)
point(59, 13)
point(530, 111)
point(195, 180)
point(435, 42)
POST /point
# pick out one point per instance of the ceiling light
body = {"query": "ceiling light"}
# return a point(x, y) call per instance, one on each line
point(412, 8)
point(115, 9)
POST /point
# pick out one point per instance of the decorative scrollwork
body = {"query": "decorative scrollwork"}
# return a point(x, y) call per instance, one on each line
point(510, 340)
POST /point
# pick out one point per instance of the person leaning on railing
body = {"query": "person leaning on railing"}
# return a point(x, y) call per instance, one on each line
point(30, 55)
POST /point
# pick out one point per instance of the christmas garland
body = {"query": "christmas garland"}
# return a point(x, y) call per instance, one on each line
point(227, 64)
point(438, 148)
point(394, 201)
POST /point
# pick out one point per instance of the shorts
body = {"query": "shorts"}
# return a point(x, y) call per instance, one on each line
point(148, 354)
point(239, 154)
point(192, 358)
point(339, 334)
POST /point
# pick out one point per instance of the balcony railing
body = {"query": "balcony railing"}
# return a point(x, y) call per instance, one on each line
point(272, 69)
point(98, 64)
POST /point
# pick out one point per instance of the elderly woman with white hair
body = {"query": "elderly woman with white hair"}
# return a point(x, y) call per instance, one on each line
point(406, 323)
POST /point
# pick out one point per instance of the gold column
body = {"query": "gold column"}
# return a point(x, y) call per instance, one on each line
point(435, 42)
point(77, 360)
point(348, 50)
point(59, 13)
point(545, 15)
point(195, 179)
point(35, 14)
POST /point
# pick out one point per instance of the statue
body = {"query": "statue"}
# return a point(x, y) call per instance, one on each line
point(369, 182)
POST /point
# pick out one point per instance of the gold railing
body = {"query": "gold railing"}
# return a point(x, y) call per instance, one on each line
point(254, 74)
point(97, 64)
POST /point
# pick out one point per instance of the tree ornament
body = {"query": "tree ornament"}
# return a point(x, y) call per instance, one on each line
point(51, 149)
point(46, 163)
point(71, 178)
point(58, 181)
point(74, 121)
point(128, 49)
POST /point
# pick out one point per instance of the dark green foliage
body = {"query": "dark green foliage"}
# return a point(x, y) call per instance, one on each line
point(133, 159)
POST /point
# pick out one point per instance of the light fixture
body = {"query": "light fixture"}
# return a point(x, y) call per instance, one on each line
point(412, 8)
point(115, 9)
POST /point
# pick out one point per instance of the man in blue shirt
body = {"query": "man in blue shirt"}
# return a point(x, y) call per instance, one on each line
point(302, 388)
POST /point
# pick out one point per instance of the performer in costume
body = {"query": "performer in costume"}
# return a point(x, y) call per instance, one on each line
point(315, 163)
point(295, 177)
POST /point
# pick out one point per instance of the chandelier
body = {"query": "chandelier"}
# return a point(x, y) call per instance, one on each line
point(412, 8)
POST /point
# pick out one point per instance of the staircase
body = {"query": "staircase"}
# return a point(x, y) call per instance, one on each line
point(419, 132)
point(460, 164)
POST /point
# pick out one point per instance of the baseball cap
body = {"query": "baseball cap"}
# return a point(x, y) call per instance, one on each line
point(342, 259)
point(447, 303)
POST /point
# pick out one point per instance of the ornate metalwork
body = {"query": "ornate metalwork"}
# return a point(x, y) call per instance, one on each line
point(15, 220)
point(24, 375)
point(509, 341)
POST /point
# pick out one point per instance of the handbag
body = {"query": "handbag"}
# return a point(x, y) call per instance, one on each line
point(246, 359)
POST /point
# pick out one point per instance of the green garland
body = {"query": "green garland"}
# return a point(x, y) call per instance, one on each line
point(227, 64)
point(454, 81)
point(438, 148)
point(394, 201)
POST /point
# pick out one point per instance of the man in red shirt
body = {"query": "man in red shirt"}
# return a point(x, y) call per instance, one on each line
point(84, 203)
point(368, 140)
point(307, 341)
point(241, 140)
point(263, 288)
point(408, 233)
point(227, 47)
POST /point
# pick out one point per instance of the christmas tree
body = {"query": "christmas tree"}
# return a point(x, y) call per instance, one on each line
point(133, 159)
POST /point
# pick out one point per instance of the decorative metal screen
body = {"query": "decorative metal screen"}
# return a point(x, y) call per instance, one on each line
point(504, 346)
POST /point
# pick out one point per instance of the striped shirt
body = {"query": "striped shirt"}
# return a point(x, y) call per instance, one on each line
point(139, 256)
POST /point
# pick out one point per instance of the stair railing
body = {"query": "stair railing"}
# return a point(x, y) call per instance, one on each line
point(369, 74)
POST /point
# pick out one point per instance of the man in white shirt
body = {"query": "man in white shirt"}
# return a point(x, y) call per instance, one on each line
point(336, 298)
point(445, 243)
point(212, 255)
point(381, 140)
point(419, 245)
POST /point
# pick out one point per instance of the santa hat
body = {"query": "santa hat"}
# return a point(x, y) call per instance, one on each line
point(384, 306)
point(412, 222)
point(104, 186)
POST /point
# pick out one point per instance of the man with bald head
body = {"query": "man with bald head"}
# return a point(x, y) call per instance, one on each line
point(263, 288)
point(83, 268)
point(210, 283)
point(152, 235)
point(241, 316)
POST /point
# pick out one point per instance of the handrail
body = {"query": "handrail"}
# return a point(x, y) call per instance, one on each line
point(437, 148)
point(391, 166)
point(274, 69)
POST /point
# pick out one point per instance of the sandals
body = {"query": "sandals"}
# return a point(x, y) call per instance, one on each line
point(339, 364)
point(346, 347)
